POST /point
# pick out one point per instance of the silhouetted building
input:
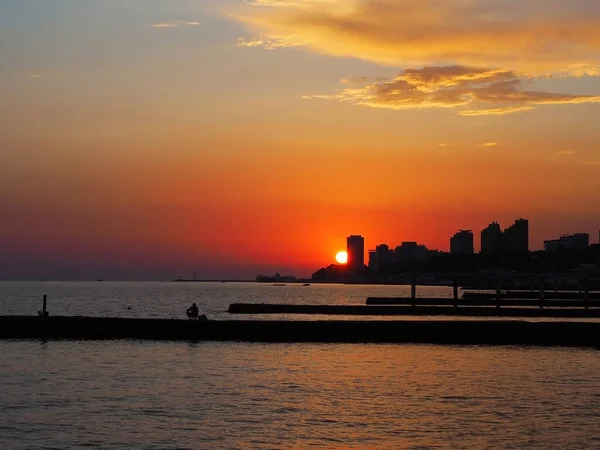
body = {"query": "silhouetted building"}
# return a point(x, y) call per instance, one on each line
point(408, 252)
point(577, 241)
point(381, 257)
point(411, 252)
point(515, 238)
point(491, 238)
point(355, 247)
point(462, 243)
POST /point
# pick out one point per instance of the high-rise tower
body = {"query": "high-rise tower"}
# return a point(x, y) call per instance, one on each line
point(355, 247)
point(462, 243)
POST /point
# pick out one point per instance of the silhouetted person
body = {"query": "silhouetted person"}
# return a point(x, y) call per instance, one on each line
point(192, 311)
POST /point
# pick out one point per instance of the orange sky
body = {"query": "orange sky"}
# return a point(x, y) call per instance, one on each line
point(155, 138)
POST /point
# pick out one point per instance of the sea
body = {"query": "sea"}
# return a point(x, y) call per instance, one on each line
point(130, 394)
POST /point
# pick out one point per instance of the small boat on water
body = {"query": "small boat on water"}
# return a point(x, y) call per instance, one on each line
point(306, 284)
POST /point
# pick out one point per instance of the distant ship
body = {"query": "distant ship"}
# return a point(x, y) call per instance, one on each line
point(278, 278)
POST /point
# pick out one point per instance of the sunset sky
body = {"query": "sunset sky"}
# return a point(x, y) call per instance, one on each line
point(145, 139)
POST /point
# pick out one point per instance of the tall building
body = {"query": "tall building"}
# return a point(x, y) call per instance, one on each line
point(409, 252)
point(491, 238)
point(462, 243)
point(355, 247)
point(577, 241)
point(515, 238)
point(381, 257)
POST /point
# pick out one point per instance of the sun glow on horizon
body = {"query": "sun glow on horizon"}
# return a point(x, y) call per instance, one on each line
point(341, 257)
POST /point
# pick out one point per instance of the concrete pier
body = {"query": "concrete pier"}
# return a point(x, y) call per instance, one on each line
point(456, 332)
point(400, 310)
point(548, 295)
point(484, 301)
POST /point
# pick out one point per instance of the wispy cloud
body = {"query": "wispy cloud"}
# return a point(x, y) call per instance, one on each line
point(565, 153)
point(267, 43)
point(287, 3)
point(472, 91)
point(174, 24)
point(489, 144)
point(33, 76)
point(534, 36)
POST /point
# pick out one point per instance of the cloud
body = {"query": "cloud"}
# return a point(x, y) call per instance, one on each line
point(266, 43)
point(33, 76)
point(472, 91)
point(565, 153)
point(489, 144)
point(287, 3)
point(533, 36)
point(278, 3)
point(174, 24)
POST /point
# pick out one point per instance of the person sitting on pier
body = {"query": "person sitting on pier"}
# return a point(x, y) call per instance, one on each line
point(192, 311)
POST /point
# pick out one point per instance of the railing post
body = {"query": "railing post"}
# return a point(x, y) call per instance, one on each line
point(586, 294)
point(413, 289)
point(455, 289)
point(498, 295)
point(44, 305)
point(541, 292)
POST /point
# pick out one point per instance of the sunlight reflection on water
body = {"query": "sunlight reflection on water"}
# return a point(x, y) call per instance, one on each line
point(131, 394)
point(135, 394)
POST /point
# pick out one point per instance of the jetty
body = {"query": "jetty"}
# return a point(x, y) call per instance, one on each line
point(484, 301)
point(409, 310)
point(534, 294)
point(466, 327)
point(450, 332)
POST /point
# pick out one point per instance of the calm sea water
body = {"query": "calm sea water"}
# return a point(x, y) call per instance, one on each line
point(157, 395)
point(170, 300)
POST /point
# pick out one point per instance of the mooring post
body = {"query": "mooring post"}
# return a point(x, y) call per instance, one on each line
point(413, 289)
point(498, 295)
point(455, 289)
point(586, 294)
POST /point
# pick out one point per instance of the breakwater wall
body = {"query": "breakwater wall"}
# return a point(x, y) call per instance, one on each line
point(547, 294)
point(400, 310)
point(484, 301)
point(459, 332)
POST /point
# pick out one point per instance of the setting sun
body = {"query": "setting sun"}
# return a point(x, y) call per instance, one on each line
point(341, 257)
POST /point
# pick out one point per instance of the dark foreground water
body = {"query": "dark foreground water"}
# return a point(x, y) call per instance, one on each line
point(141, 394)
point(212, 395)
